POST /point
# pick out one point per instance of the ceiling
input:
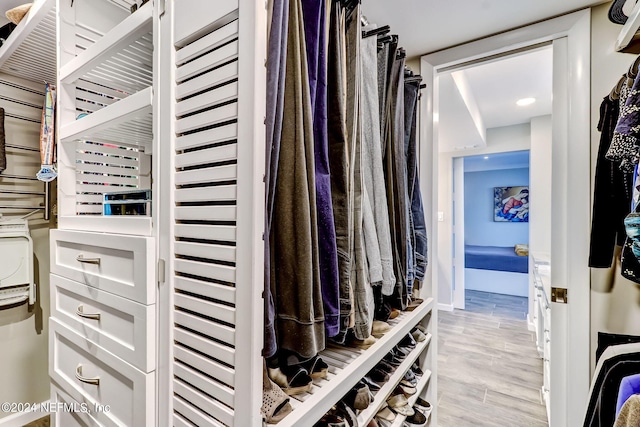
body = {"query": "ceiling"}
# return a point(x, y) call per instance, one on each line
point(511, 160)
point(426, 26)
point(484, 96)
point(497, 86)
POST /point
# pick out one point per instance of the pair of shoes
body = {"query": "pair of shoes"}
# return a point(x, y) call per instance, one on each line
point(385, 415)
point(292, 379)
point(363, 344)
point(424, 406)
point(275, 403)
point(359, 397)
point(380, 328)
point(418, 335)
point(418, 419)
point(416, 369)
point(378, 375)
point(414, 303)
point(392, 359)
point(339, 416)
point(399, 404)
point(408, 342)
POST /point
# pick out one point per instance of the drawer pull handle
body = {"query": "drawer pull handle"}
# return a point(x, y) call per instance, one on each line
point(81, 313)
point(84, 260)
point(92, 381)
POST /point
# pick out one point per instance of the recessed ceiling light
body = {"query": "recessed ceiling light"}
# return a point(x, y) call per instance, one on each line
point(525, 101)
point(486, 157)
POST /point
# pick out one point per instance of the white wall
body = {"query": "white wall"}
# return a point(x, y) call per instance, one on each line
point(509, 138)
point(540, 186)
point(615, 301)
point(24, 333)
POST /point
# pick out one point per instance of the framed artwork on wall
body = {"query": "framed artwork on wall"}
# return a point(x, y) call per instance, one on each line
point(511, 204)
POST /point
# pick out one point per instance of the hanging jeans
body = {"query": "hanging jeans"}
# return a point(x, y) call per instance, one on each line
point(295, 268)
point(396, 179)
point(418, 229)
point(338, 160)
point(315, 36)
point(376, 211)
point(276, 63)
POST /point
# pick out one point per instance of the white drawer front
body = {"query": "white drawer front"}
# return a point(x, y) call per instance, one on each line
point(92, 375)
point(121, 326)
point(66, 412)
point(120, 264)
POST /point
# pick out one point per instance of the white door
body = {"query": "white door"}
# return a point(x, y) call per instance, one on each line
point(570, 170)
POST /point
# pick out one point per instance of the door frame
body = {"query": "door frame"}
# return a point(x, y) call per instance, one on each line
point(571, 169)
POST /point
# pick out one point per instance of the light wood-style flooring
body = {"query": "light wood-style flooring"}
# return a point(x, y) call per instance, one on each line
point(489, 371)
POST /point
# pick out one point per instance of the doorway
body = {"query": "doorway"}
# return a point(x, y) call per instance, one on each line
point(569, 175)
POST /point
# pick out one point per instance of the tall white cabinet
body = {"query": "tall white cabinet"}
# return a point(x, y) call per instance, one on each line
point(160, 317)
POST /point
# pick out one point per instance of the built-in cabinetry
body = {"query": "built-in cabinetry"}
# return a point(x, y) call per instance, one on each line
point(103, 333)
point(542, 318)
point(161, 317)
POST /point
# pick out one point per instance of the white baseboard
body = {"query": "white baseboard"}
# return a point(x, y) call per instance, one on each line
point(445, 307)
point(19, 419)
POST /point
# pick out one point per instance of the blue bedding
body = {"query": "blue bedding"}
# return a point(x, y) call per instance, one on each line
point(496, 258)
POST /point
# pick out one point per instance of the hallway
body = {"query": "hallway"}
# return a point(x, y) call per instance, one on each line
point(489, 372)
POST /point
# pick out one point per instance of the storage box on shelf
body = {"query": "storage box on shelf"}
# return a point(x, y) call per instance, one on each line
point(348, 365)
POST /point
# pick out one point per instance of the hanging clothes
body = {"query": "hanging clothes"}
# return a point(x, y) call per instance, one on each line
point(276, 70)
point(295, 278)
point(612, 193)
point(315, 36)
point(376, 211)
point(623, 149)
point(417, 225)
point(3, 153)
point(338, 160)
point(395, 176)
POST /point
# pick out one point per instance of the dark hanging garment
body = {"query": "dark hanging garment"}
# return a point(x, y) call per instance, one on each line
point(417, 225)
point(338, 160)
point(396, 178)
point(276, 69)
point(315, 36)
point(612, 194)
point(3, 154)
point(295, 272)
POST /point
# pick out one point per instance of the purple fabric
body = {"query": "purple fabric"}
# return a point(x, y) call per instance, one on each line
point(315, 36)
point(628, 387)
point(276, 64)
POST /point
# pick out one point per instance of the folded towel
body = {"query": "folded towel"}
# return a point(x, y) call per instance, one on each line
point(522, 250)
point(3, 154)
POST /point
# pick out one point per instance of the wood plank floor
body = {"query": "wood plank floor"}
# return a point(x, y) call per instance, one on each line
point(489, 371)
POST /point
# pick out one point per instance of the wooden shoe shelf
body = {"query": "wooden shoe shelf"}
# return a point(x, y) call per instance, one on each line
point(348, 365)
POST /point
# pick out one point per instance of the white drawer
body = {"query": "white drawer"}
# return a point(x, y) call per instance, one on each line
point(66, 412)
point(121, 326)
point(92, 375)
point(116, 263)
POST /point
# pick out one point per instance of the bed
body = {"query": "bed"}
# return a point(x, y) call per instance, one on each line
point(495, 258)
point(497, 270)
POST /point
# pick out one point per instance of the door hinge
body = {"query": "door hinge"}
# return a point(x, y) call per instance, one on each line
point(559, 295)
point(161, 270)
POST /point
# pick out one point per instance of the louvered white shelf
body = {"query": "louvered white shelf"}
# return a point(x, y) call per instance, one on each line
point(422, 383)
point(128, 121)
point(121, 59)
point(347, 366)
point(30, 50)
point(385, 391)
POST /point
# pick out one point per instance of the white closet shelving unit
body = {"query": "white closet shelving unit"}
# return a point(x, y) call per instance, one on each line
point(174, 101)
point(102, 342)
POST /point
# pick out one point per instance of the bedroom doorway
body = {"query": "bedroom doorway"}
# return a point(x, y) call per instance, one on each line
point(568, 172)
point(487, 136)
